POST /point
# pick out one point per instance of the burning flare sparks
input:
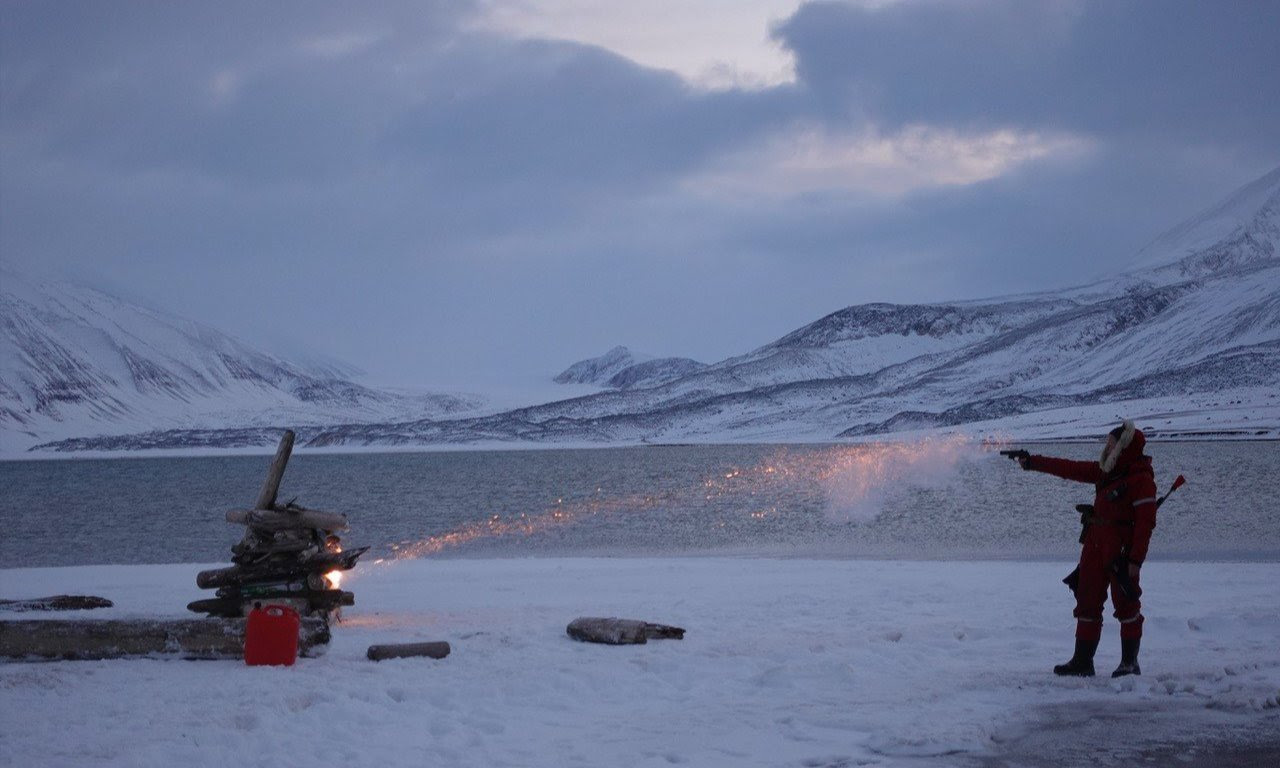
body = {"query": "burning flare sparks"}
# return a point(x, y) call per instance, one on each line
point(524, 525)
point(333, 578)
point(855, 481)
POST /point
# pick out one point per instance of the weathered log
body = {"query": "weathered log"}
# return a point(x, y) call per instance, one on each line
point(114, 639)
point(253, 548)
point(272, 584)
point(325, 599)
point(272, 520)
point(305, 601)
point(614, 631)
point(230, 607)
point(267, 496)
point(56, 603)
point(436, 650)
point(279, 569)
point(331, 598)
point(235, 575)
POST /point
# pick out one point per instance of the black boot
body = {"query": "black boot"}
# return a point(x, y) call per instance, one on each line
point(1081, 664)
point(1128, 657)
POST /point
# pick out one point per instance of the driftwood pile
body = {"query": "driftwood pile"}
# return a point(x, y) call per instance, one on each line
point(290, 555)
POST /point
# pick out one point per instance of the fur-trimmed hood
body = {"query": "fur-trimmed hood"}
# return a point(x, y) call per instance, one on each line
point(1129, 446)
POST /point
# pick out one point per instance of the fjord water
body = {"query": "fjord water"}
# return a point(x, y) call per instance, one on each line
point(922, 500)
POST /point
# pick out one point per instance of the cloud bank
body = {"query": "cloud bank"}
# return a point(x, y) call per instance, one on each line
point(451, 193)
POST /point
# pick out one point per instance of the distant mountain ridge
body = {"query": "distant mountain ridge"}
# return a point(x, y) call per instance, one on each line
point(620, 368)
point(1243, 228)
point(77, 359)
point(598, 370)
point(1187, 342)
point(1194, 337)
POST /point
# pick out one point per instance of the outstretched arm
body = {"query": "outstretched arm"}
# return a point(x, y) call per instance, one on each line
point(1080, 471)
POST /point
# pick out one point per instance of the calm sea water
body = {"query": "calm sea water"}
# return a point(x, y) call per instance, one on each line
point(932, 500)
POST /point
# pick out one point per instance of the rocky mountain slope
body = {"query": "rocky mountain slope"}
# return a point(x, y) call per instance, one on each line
point(1174, 341)
point(1187, 342)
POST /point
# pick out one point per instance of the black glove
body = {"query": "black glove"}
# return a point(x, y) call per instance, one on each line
point(1120, 570)
point(1022, 457)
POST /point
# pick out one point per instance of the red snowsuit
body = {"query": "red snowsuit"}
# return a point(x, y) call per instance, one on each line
point(1124, 515)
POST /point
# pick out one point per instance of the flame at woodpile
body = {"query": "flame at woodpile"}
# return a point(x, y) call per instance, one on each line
point(333, 578)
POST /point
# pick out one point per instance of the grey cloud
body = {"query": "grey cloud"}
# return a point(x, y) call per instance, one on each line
point(539, 119)
point(1198, 71)
point(1041, 226)
point(129, 88)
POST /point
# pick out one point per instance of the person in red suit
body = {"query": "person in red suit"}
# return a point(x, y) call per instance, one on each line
point(1115, 542)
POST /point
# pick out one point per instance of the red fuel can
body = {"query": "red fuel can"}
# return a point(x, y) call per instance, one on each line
point(271, 636)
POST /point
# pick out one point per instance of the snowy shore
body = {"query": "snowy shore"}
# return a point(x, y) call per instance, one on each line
point(786, 662)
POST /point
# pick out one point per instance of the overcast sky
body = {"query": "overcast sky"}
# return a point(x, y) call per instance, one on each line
point(455, 194)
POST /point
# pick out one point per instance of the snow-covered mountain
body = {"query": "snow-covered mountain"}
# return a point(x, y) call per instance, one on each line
point(620, 368)
point(1187, 341)
point(76, 361)
point(598, 370)
point(1240, 230)
point(653, 372)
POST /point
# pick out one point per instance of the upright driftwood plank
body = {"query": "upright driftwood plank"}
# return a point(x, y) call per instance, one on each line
point(116, 639)
point(267, 496)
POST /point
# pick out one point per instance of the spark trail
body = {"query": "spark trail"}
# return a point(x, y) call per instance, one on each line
point(853, 481)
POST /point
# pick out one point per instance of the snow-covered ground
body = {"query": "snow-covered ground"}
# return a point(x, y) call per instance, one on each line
point(786, 662)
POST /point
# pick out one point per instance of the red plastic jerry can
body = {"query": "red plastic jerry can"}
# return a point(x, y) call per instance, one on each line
point(271, 636)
